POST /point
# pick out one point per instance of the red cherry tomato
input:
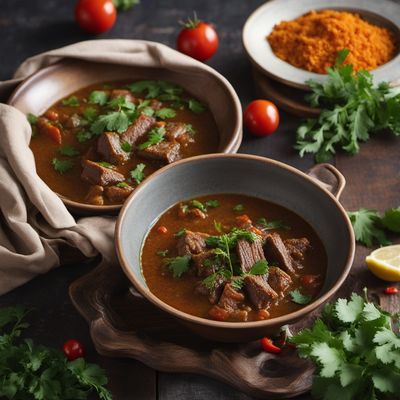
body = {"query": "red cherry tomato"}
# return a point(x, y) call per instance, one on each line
point(73, 349)
point(95, 16)
point(198, 40)
point(261, 117)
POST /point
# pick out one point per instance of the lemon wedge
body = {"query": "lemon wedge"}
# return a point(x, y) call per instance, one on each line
point(385, 263)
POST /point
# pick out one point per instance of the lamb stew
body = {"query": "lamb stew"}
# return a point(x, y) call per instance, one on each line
point(234, 258)
point(98, 144)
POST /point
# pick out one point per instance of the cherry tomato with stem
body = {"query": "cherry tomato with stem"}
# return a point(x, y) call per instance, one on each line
point(261, 117)
point(197, 39)
point(73, 349)
point(95, 16)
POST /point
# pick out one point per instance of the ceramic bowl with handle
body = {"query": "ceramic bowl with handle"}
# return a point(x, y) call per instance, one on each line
point(313, 196)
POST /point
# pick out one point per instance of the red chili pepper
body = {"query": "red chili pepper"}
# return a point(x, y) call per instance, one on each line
point(391, 290)
point(269, 347)
point(162, 229)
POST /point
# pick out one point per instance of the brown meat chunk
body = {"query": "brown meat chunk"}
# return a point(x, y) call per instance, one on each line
point(230, 299)
point(204, 263)
point(138, 129)
point(99, 175)
point(258, 291)
point(177, 131)
point(118, 194)
point(95, 195)
point(72, 121)
point(109, 148)
point(249, 253)
point(191, 243)
point(155, 104)
point(297, 247)
point(213, 293)
point(166, 152)
point(126, 94)
point(279, 280)
point(91, 154)
point(276, 250)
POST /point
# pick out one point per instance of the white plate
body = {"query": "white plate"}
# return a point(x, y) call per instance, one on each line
point(261, 22)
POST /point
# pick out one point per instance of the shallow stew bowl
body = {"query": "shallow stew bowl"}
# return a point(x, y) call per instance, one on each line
point(249, 175)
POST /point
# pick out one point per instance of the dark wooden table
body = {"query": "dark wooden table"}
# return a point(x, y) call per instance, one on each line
point(28, 27)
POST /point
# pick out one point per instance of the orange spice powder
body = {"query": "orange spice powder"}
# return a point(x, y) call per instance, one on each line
point(313, 40)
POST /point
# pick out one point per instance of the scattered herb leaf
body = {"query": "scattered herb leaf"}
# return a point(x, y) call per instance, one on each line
point(195, 106)
point(165, 113)
point(83, 136)
point(299, 298)
point(98, 97)
point(180, 233)
point(105, 164)
point(115, 121)
point(267, 225)
point(238, 208)
point(68, 150)
point(162, 253)
point(125, 146)
point(155, 136)
point(90, 114)
point(122, 185)
point(62, 166)
point(72, 101)
point(212, 203)
point(178, 265)
point(32, 119)
point(138, 173)
point(218, 226)
point(259, 268)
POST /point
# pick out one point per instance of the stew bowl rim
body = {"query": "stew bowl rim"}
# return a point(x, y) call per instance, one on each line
point(281, 320)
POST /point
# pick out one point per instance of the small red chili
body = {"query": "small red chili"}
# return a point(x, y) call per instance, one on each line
point(269, 347)
point(162, 229)
point(391, 290)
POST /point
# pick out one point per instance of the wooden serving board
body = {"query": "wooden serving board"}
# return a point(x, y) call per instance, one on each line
point(124, 324)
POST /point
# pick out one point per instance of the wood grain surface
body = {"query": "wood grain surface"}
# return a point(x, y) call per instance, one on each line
point(30, 27)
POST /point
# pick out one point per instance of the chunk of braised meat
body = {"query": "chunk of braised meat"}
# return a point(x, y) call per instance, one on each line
point(90, 154)
point(191, 243)
point(276, 251)
point(109, 148)
point(72, 121)
point(229, 306)
point(126, 94)
point(205, 263)
point(118, 194)
point(279, 280)
point(96, 174)
point(165, 152)
point(259, 292)
point(184, 212)
point(213, 293)
point(138, 129)
point(297, 247)
point(155, 104)
point(95, 195)
point(249, 253)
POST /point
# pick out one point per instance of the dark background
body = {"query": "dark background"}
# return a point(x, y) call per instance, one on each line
point(33, 26)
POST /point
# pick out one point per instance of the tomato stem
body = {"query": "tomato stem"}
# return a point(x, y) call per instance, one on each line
point(191, 23)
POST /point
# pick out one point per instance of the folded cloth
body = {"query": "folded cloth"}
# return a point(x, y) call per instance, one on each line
point(35, 224)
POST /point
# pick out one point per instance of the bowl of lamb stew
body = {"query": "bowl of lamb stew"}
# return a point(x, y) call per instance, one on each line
point(99, 130)
point(234, 246)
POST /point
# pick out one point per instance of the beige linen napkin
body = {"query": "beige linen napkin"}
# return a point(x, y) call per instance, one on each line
point(34, 222)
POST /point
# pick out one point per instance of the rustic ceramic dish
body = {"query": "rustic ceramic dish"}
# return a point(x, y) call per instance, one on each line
point(261, 22)
point(243, 174)
point(44, 88)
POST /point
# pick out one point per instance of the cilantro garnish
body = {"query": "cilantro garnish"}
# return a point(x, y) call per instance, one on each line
point(62, 166)
point(125, 146)
point(212, 203)
point(190, 130)
point(72, 101)
point(138, 173)
point(352, 108)
point(299, 298)
point(31, 371)
point(115, 121)
point(164, 113)
point(121, 103)
point(259, 268)
point(180, 233)
point(162, 253)
point(83, 136)
point(218, 226)
point(155, 136)
point(68, 150)
point(267, 225)
point(356, 350)
point(98, 97)
point(238, 208)
point(32, 119)
point(90, 114)
point(105, 164)
point(178, 265)
point(195, 106)
point(122, 185)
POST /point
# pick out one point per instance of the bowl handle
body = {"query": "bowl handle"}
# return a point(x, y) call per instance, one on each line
point(328, 177)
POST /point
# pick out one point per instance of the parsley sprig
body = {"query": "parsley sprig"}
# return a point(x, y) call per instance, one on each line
point(30, 371)
point(155, 136)
point(352, 108)
point(269, 225)
point(370, 227)
point(356, 350)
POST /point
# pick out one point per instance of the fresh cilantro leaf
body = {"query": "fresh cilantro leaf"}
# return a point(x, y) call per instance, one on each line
point(122, 185)
point(218, 226)
point(62, 166)
point(267, 225)
point(32, 119)
point(259, 268)
point(237, 283)
point(156, 89)
point(190, 130)
point(180, 233)
point(195, 106)
point(197, 204)
point(68, 150)
point(178, 265)
point(212, 203)
point(162, 253)
point(90, 114)
point(121, 103)
point(105, 164)
point(299, 298)
point(124, 5)
point(83, 136)
point(349, 311)
point(164, 113)
point(329, 358)
point(155, 136)
point(138, 173)
point(391, 219)
point(238, 208)
point(98, 97)
point(72, 101)
point(115, 121)
point(125, 146)
point(366, 227)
